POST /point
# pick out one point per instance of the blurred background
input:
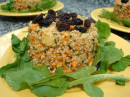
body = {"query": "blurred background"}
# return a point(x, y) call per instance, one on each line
point(81, 7)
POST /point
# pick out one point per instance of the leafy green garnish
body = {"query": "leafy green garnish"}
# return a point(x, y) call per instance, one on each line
point(9, 6)
point(106, 53)
point(88, 81)
point(126, 22)
point(109, 55)
point(122, 83)
point(111, 16)
point(103, 29)
point(121, 64)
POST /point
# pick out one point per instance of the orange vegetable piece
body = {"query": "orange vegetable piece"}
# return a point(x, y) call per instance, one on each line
point(74, 64)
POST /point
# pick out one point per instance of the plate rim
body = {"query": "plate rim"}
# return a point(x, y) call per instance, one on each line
point(3, 13)
point(111, 26)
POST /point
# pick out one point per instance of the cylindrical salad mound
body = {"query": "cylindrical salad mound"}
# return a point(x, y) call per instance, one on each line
point(122, 9)
point(67, 40)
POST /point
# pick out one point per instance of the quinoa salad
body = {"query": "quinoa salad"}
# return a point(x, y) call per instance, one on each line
point(122, 9)
point(70, 48)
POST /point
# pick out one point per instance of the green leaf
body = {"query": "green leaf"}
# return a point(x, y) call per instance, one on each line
point(121, 64)
point(15, 40)
point(122, 83)
point(88, 81)
point(110, 16)
point(49, 91)
point(109, 55)
point(9, 67)
point(8, 6)
point(59, 71)
point(23, 77)
point(103, 29)
point(92, 90)
point(83, 72)
point(97, 57)
point(110, 43)
point(126, 22)
point(57, 82)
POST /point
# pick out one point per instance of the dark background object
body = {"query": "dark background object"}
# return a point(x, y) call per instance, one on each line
point(81, 7)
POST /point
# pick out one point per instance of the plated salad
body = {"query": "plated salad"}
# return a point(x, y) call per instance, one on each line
point(120, 15)
point(49, 60)
point(23, 6)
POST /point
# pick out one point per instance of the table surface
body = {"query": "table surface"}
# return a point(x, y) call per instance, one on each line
point(81, 7)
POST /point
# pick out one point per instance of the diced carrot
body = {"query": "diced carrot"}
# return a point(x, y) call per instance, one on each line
point(90, 60)
point(80, 66)
point(63, 61)
point(40, 64)
point(56, 54)
point(33, 27)
point(92, 24)
point(74, 64)
point(53, 64)
point(41, 45)
point(58, 65)
point(77, 48)
point(65, 68)
point(88, 54)
point(69, 71)
point(72, 27)
point(58, 59)
point(63, 32)
point(66, 39)
point(71, 79)
point(33, 42)
point(38, 55)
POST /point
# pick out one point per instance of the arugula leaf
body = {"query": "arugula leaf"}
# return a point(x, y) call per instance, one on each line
point(57, 82)
point(46, 4)
point(59, 71)
point(103, 29)
point(22, 57)
point(88, 81)
point(109, 55)
point(49, 91)
point(92, 91)
point(19, 46)
point(9, 67)
point(8, 7)
point(110, 43)
point(126, 22)
point(109, 15)
point(97, 57)
point(23, 77)
point(122, 83)
point(121, 64)
point(83, 72)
